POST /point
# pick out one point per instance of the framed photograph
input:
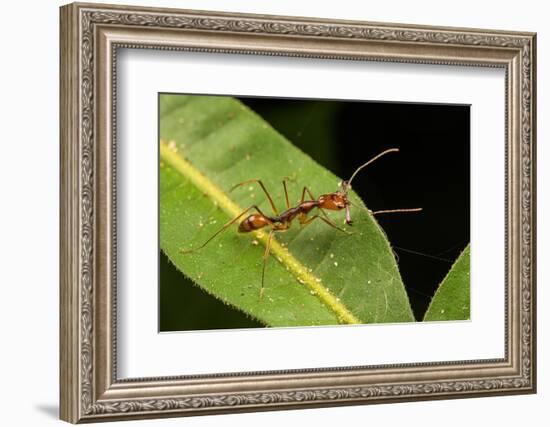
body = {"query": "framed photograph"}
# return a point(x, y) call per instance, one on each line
point(266, 212)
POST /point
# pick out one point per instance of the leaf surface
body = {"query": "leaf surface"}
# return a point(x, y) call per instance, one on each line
point(315, 275)
point(451, 301)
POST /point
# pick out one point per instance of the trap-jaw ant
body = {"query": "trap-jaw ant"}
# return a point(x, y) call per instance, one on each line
point(280, 222)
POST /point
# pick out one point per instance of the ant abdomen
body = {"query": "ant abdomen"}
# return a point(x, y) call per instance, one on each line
point(253, 222)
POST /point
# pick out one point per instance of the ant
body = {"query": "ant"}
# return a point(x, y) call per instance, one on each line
point(281, 222)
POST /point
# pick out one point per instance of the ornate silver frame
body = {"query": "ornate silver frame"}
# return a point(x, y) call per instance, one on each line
point(90, 36)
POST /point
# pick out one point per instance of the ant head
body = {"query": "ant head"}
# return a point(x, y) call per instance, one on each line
point(344, 187)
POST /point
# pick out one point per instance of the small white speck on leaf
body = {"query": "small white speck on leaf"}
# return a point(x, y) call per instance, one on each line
point(172, 145)
point(332, 255)
point(442, 311)
point(255, 242)
point(336, 263)
point(369, 282)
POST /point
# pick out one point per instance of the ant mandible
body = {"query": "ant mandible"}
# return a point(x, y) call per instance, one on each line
point(281, 222)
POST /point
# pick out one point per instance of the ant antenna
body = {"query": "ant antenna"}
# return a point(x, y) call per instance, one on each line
point(346, 185)
point(385, 211)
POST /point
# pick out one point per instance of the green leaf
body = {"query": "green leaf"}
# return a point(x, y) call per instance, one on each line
point(315, 275)
point(452, 299)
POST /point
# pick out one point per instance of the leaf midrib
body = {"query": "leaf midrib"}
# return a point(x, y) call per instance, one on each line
point(303, 275)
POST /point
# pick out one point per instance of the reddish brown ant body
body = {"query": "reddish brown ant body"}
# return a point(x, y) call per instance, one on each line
point(281, 222)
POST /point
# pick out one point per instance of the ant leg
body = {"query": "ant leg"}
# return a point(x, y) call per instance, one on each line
point(185, 251)
point(263, 188)
point(326, 220)
point(327, 217)
point(286, 194)
point(309, 193)
point(266, 257)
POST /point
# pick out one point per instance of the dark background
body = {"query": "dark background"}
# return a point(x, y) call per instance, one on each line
point(431, 171)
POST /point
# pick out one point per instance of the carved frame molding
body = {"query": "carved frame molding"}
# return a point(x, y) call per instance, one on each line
point(90, 37)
